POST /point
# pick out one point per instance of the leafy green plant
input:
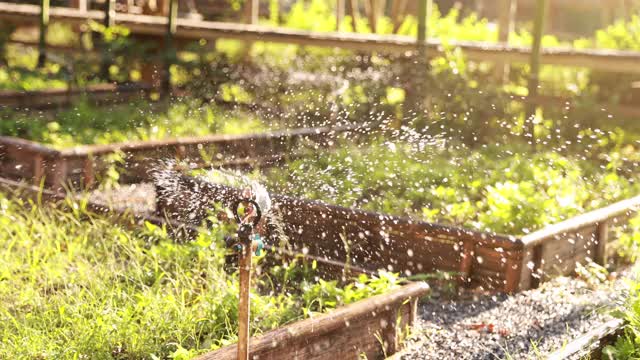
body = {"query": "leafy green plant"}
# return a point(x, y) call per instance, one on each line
point(629, 240)
point(501, 188)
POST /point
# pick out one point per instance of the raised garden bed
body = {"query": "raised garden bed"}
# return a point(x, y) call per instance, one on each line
point(372, 241)
point(23, 159)
point(373, 327)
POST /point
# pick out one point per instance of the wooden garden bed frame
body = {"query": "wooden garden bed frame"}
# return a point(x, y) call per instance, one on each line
point(368, 240)
point(591, 344)
point(373, 241)
point(79, 166)
point(374, 326)
point(556, 249)
point(492, 261)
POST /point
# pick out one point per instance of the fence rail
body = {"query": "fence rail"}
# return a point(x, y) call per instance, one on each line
point(79, 166)
point(188, 29)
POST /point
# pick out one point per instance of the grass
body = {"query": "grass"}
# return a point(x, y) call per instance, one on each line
point(88, 124)
point(73, 285)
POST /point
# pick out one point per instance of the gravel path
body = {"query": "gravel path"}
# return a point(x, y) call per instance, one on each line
point(523, 326)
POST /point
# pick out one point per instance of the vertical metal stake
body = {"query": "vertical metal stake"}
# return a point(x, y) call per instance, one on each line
point(244, 268)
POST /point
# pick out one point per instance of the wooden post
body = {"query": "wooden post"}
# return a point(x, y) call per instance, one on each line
point(466, 263)
point(506, 25)
point(397, 13)
point(371, 7)
point(536, 271)
point(88, 172)
point(42, 40)
point(416, 93)
point(390, 332)
point(600, 256)
point(413, 312)
point(79, 4)
point(339, 13)
point(38, 169)
point(534, 80)
point(59, 180)
point(352, 11)
point(513, 272)
point(170, 52)
point(109, 20)
point(252, 12)
point(244, 268)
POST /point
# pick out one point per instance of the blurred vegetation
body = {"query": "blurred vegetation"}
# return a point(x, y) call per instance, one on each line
point(89, 124)
point(307, 85)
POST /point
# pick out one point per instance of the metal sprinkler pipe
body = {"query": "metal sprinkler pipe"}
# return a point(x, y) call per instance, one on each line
point(245, 232)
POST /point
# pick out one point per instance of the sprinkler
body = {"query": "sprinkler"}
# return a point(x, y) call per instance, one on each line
point(248, 240)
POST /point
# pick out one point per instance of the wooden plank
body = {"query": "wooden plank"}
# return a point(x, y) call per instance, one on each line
point(88, 172)
point(526, 269)
point(590, 345)
point(600, 256)
point(81, 5)
point(59, 178)
point(513, 271)
point(390, 333)
point(252, 12)
point(605, 60)
point(341, 334)
point(170, 51)
point(38, 168)
point(563, 252)
point(561, 101)
point(108, 20)
point(627, 206)
point(538, 265)
point(467, 261)
point(352, 11)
